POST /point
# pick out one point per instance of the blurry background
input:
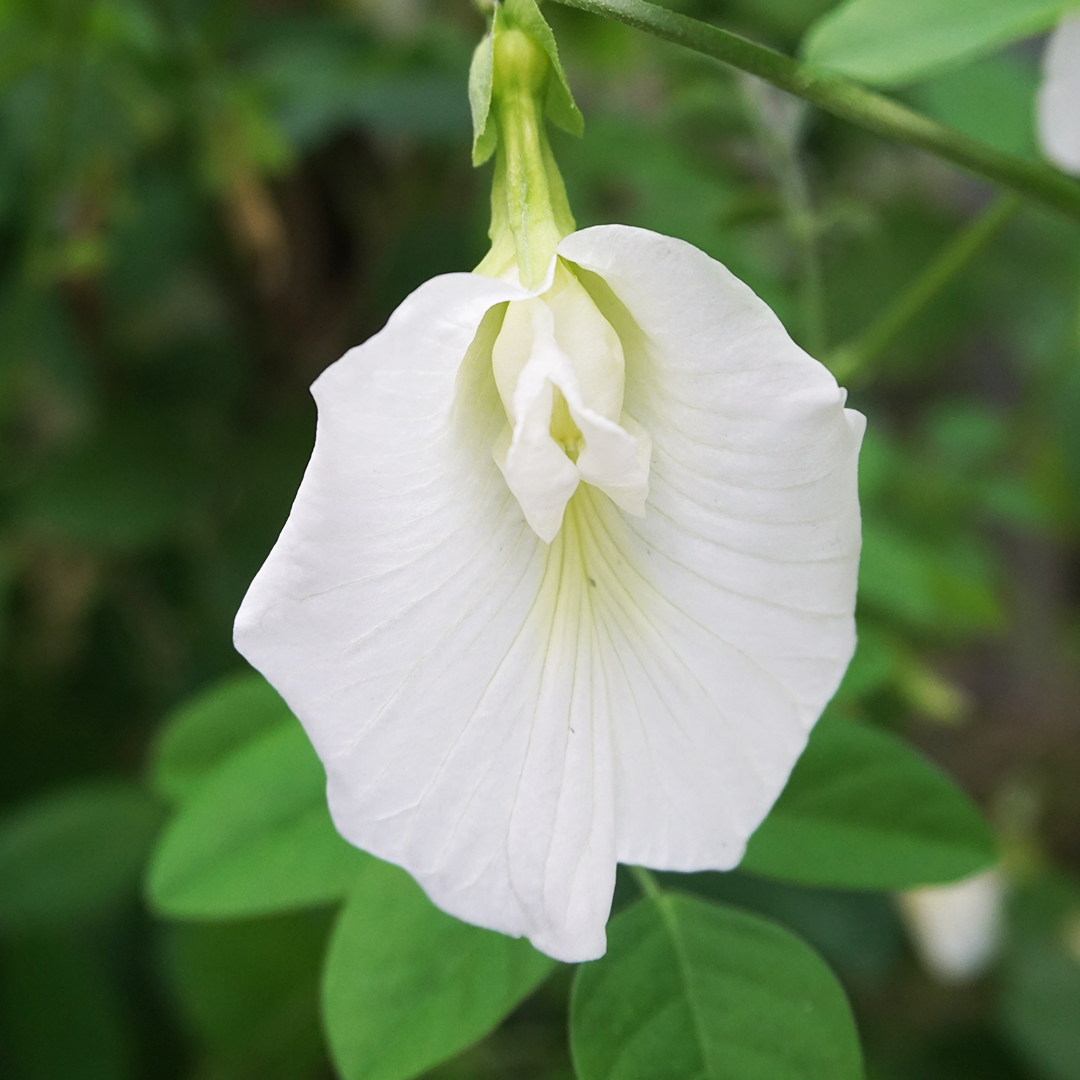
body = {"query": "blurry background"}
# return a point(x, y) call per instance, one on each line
point(205, 202)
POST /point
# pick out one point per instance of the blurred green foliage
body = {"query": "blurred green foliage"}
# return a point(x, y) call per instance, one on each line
point(205, 202)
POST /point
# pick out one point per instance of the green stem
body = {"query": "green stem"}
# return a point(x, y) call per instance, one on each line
point(847, 100)
point(646, 882)
point(852, 360)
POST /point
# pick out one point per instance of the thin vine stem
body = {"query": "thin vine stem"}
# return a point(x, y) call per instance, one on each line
point(852, 360)
point(847, 100)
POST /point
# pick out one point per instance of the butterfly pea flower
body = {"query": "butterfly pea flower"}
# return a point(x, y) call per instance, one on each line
point(1058, 109)
point(571, 573)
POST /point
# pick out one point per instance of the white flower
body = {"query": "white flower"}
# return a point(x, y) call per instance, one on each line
point(569, 578)
point(957, 928)
point(1058, 112)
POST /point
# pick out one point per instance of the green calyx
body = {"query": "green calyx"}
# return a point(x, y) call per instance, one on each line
point(515, 82)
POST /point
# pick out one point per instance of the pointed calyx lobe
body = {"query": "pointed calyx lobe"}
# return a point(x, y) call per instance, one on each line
point(507, 716)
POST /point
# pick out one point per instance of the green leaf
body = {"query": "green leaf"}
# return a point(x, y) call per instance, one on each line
point(886, 43)
point(407, 986)
point(862, 810)
point(198, 736)
point(692, 989)
point(856, 932)
point(249, 993)
point(256, 838)
point(75, 854)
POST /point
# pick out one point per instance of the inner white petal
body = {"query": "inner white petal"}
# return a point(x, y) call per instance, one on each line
point(535, 467)
point(590, 342)
point(560, 371)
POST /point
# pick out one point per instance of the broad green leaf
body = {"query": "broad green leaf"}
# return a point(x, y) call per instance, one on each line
point(857, 933)
point(692, 989)
point(862, 810)
point(407, 986)
point(248, 992)
point(255, 839)
point(887, 43)
point(199, 735)
point(74, 854)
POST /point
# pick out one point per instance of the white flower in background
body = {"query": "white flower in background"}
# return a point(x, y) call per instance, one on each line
point(1058, 111)
point(571, 573)
point(957, 928)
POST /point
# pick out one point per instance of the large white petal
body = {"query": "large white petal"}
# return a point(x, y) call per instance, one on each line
point(439, 655)
point(726, 613)
point(1059, 97)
